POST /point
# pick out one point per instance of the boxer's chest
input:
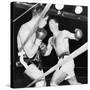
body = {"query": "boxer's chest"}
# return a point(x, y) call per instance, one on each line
point(57, 40)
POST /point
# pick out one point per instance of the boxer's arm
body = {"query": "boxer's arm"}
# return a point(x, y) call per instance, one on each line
point(69, 35)
point(48, 51)
point(40, 35)
point(49, 48)
point(76, 36)
point(35, 47)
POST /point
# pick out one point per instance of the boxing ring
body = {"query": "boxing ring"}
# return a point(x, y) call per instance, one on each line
point(73, 55)
point(77, 52)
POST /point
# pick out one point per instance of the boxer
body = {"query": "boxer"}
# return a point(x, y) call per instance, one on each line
point(31, 47)
point(60, 42)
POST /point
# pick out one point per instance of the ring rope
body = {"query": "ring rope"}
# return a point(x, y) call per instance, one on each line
point(77, 52)
point(24, 13)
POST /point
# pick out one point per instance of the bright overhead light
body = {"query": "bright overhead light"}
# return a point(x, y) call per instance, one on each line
point(59, 6)
point(78, 10)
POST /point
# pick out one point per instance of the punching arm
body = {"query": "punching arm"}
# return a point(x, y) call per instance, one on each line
point(69, 35)
point(76, 36)
point(49, 48)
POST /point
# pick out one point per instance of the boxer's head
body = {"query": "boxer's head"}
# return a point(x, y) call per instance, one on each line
point(53, 25)
point(37, 10)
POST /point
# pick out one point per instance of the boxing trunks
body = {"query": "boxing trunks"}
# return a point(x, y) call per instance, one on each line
point(68, 67)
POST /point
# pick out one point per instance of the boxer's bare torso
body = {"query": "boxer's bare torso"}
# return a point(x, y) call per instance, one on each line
point(34, 40)
point(23, 33)
point(61, 44)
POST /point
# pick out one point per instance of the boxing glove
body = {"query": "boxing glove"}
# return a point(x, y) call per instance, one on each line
point(78, 34)
point(41, 34)
point(43, 48)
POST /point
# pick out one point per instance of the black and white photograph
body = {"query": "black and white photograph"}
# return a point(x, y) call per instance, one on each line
point(48, 44)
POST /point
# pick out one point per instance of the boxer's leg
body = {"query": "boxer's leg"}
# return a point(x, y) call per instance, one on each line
point(33, 72)
point(77, 52)
point(69, 69)
point(41, 83)
point(58, 77)
point(73, 81)
point(64, 72)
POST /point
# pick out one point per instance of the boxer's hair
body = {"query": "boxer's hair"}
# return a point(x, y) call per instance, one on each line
point(37, 10)
point(54, 20)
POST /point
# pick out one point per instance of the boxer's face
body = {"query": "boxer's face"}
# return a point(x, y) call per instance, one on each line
point(43, 22)
point(53, 25)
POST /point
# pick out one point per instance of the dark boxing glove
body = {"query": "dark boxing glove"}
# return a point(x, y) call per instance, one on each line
point(43, 48)
point(78, 34)
point(41, 34)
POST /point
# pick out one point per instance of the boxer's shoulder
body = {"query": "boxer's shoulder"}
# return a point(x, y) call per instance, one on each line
point(51, 38)
point(66, 32)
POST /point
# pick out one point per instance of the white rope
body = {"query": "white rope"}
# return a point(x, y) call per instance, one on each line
point(24, 13)
point(77, 52)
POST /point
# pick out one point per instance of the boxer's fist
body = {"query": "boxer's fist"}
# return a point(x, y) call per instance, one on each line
point(78, 34)
point(43, 48)
point(41, 34)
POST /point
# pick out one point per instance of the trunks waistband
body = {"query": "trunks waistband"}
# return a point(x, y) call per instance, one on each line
point(63, 54)
point(36, 61)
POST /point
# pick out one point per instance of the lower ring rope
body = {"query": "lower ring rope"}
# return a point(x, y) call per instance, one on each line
point(77, 52)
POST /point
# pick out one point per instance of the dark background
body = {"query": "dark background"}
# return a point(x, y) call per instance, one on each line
point(18, 78)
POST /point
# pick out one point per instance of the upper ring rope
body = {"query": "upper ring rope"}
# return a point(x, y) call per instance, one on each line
point(24, 13)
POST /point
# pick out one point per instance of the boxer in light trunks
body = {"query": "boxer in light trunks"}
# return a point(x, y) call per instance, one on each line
point(30, 49)
point(60, 42)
